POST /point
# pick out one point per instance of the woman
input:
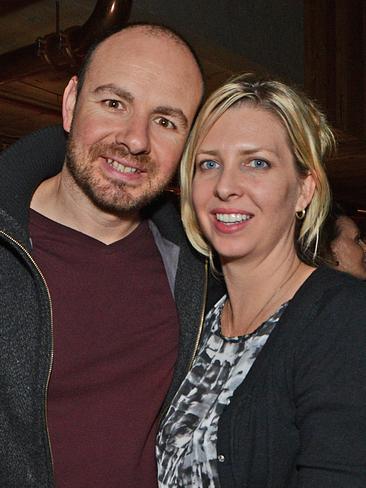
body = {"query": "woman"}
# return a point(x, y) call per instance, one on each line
point(276, 394)
point(341, 244)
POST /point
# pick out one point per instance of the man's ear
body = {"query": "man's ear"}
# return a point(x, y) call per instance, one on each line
point(69, 102)
point(306, 193)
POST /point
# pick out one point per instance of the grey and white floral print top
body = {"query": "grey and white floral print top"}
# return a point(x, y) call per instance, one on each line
point(186, 442)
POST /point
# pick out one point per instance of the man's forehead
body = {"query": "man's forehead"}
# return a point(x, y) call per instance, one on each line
point(141, 45)
point(139, 40)
point(152, 66)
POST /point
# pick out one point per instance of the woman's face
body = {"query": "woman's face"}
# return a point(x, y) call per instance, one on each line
point(349, 250)
point(246, 189)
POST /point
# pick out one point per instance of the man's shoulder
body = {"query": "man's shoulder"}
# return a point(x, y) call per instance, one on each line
point(46, 144)
point(25, 164)
point(164, 212)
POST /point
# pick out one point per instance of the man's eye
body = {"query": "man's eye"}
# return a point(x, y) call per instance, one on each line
point(115, 104)
point(209, 164)
point(168, 124)
point(258, 163)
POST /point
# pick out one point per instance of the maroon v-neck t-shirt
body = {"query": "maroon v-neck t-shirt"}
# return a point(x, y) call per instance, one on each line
point(115, 339)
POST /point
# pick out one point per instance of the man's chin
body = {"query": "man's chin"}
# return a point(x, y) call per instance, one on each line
point(113, 197)
point(129, 204)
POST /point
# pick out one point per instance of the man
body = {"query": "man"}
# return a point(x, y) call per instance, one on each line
point(89, 325)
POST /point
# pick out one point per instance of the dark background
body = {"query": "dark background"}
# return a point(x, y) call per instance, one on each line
point(319, 45)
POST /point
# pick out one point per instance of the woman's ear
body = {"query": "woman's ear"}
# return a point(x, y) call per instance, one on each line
point(69, 102)
point(307, 188)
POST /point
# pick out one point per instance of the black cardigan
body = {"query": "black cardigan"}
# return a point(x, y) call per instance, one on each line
point(299, 417)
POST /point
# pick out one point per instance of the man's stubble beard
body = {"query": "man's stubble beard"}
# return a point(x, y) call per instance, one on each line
point(110, 195)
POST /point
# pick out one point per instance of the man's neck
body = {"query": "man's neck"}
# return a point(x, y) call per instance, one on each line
point(75, 210)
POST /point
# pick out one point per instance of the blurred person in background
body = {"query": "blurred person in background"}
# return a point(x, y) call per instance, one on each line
point(342, 246)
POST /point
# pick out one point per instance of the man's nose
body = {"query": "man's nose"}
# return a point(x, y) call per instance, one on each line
point(135, 134)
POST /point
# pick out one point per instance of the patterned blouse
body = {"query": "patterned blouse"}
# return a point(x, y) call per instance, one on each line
point(186, 443)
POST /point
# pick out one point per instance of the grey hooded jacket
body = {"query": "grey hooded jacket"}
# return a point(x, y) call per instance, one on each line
point(26, 307)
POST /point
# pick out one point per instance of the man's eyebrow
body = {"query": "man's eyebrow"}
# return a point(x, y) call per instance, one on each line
point(126, 95)
point(173, 112)
point(115, 90)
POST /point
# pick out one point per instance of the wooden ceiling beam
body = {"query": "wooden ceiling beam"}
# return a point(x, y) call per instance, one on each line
point(29, 106)
point(8, 6)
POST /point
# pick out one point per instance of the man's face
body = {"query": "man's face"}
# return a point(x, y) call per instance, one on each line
point(131, 119)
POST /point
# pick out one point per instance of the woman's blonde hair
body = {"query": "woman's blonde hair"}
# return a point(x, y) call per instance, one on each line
point(311, 140)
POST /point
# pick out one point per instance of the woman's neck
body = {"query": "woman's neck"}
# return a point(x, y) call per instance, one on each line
point(256, 291)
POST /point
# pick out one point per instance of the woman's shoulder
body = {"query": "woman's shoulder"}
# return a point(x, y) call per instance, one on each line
point(329, 285)
point(328, 303)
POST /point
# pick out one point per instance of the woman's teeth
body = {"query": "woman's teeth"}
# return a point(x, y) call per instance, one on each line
point(232, 218)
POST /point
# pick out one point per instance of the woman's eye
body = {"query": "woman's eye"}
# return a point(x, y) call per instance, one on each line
point(115, 104)
point(168, 124)
point(258, 163)
point(209, 164)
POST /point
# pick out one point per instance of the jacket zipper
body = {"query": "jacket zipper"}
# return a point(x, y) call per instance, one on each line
point(202, 317)
point(198, 337)
point(10, 238)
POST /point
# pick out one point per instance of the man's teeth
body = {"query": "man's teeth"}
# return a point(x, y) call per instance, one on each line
point(233, 218)
point(121, 167)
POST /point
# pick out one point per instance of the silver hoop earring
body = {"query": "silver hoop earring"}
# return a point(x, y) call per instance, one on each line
point(300, 214)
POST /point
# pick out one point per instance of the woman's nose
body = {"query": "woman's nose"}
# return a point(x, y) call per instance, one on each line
point(229, 185)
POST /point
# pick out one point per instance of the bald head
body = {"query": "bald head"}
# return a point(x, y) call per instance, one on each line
point(144, 29)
